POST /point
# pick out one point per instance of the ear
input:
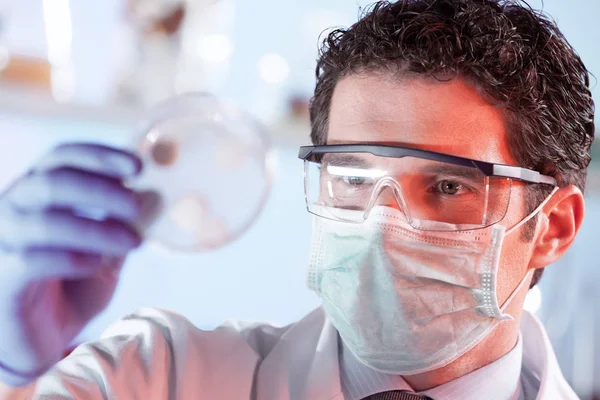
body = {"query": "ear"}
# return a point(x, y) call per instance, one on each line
point(558, 224)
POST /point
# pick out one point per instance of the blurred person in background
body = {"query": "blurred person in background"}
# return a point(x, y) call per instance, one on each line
point(154, 36)
point(450, 140)
point(295, 123)
point(152, 46)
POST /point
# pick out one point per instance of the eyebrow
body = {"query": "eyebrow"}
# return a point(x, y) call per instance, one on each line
point(347, 160)
point(456, 171)
point(337, 170)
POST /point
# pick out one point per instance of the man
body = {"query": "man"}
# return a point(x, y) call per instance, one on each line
point(451, 144)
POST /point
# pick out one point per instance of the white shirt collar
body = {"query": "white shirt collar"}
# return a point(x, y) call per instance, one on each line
point(498, 380)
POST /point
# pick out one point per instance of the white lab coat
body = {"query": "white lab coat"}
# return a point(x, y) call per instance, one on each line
point(572, 320)
point(155, 354)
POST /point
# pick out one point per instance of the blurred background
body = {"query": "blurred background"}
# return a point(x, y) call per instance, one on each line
point(88, 70)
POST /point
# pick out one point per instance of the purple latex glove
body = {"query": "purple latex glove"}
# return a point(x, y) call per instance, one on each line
point(59, 268)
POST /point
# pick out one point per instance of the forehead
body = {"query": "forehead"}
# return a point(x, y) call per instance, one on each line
point(449, 117)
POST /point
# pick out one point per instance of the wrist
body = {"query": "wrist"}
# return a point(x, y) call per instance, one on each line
point(12, 378)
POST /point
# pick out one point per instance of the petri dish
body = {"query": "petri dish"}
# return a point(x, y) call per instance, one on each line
point(208, 171)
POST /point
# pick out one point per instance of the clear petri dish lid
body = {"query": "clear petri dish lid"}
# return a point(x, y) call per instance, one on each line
point(208, 170)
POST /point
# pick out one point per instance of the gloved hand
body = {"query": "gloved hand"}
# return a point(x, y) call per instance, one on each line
point(65, 229)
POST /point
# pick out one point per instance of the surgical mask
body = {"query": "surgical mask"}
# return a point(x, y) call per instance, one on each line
point(406, 301)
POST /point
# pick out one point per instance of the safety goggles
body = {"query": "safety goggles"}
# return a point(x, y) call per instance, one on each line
point(435, 191)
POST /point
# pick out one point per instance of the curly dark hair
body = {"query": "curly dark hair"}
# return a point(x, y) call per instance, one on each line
point(515, 56)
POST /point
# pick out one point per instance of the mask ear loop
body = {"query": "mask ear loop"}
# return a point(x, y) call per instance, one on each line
point(514, 293)
point(533, 214)
point(530, 272)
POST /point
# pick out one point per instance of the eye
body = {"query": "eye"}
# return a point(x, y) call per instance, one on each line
point(448, 187)
point(354, 180)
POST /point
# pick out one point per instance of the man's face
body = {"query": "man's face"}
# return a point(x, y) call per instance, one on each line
point(447, 117)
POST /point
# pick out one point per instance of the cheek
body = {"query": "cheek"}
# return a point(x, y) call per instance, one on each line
point(513, 264)
point(516, 252)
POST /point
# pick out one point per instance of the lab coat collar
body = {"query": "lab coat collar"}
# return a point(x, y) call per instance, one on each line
point(540, 361)
point(304, 364)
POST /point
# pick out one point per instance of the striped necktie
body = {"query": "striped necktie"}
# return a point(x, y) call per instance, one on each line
point(397, 395)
